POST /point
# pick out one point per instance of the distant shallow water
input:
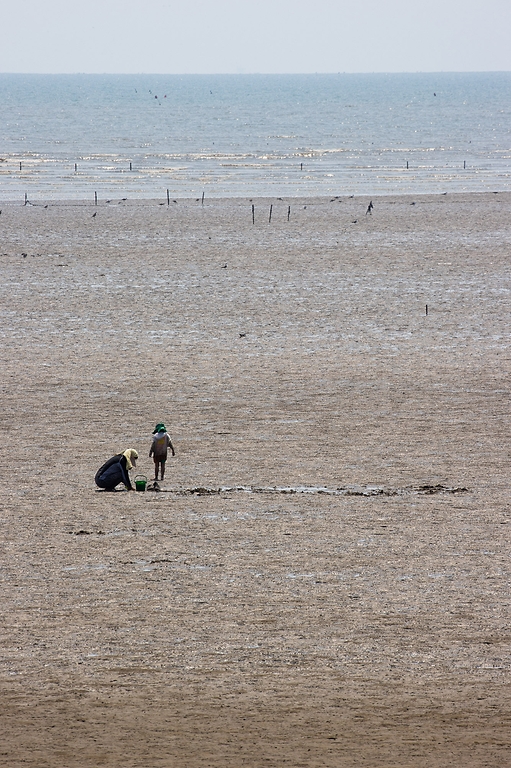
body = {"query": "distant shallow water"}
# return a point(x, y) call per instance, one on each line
point(69, 136)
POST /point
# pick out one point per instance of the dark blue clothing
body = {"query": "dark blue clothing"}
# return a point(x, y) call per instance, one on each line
point(112, 473)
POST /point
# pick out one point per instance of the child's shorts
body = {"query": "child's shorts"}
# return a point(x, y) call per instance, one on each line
point(159, 459)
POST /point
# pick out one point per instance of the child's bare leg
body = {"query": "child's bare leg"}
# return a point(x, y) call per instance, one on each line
point(155, 470)
point(162, 470)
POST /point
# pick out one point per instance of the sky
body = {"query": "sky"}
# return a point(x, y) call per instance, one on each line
point(263, 36)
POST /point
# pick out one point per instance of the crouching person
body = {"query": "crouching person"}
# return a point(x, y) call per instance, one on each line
point(116, 470)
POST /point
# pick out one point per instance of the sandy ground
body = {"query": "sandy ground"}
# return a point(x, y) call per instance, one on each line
point(324, 580)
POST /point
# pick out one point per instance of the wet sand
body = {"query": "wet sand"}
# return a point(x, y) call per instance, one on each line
point(324, 578)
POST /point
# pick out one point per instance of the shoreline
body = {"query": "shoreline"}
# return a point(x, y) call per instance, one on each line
point(298, 199)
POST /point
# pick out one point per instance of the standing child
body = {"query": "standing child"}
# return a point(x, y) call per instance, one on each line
point(161, 443)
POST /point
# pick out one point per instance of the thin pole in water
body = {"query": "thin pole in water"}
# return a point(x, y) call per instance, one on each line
point(253, 214)
point(168, 198)
point(202, 201)
point(288, 212)
point(269, 218)
point(95, 198)
point(426, 310)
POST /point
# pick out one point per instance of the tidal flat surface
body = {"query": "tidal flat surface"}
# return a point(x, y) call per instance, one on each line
point(325, 579)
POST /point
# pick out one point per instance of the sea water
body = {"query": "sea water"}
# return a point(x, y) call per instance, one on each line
point(137, 136)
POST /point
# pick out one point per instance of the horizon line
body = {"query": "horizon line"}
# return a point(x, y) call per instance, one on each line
point(272, 74)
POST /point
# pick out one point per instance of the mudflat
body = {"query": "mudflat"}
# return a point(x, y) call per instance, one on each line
point(323, 578)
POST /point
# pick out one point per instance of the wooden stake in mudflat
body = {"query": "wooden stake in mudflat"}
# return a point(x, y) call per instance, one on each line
point(253, 214)
point(95, 198)
point(301, 166)
point(269, 218)
point(464, 164)
point(20, 166)
point(168, 198)
point(131, 167)
point(26, 198)
point(202, 201)
point(76, 167)
point(426, 310)
point(407, 165)
point(288, 212)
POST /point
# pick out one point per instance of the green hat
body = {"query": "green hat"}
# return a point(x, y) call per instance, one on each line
point(159, 428)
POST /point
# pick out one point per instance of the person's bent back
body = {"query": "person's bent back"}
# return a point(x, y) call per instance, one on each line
point(116, 470)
